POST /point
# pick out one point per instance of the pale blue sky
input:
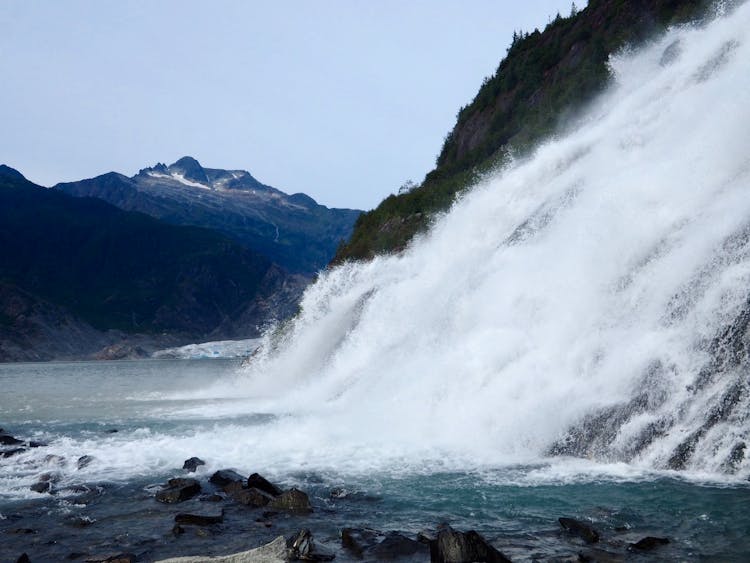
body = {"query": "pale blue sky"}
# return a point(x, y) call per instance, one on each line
point(342, 99)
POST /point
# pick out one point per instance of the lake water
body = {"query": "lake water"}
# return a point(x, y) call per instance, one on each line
point(159, 419)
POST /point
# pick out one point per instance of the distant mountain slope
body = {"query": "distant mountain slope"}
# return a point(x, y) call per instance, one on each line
point(89, 263)
point(545, 78)
point(293, 231)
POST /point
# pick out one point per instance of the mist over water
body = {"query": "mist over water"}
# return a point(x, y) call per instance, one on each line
point(569, 304)
point(595, 272)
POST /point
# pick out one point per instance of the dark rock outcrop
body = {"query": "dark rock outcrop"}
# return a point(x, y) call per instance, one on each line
point(247, 496)
point(7, 440)
point(178, 490)
point(358, 540)
point(192, 464)
point(223, 477)
point(258, 482)
point(302, 547)
point(397, 546)
point(84, 461)
point(579, 529)
point(378, 546)
point(452, 546)
point(199, 519)
point(292, 500)
point(648, 543)
point(41, 487)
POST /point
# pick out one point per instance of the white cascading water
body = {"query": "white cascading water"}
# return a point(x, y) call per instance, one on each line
point(590, 280)
point(583, 311)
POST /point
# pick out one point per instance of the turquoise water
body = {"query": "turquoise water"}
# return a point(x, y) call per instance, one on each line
point(74, 407)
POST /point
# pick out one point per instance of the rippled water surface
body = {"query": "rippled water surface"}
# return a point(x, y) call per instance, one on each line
point(74, 407)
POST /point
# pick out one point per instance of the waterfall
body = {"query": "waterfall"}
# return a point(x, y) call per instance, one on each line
point(590, 300)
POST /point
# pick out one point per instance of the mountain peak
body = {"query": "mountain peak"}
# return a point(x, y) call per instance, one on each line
point(8, 172)
point(190, 169)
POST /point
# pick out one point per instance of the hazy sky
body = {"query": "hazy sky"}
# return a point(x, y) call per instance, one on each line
point(342, 99)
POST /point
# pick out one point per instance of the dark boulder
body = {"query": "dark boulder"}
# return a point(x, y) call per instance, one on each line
point(23, 559)
point(84, 460)
point(463, 547)
point(379, 546)
point(397, 546)
point(648, 543)
point(249, 497)
point(116, 558)
point(199, 519)
point(23, 531)
point(359, 540)
point(178, 490)
point(225, 476)
point(11, 452)
point(303, 548)
point(580, 529)
point(292, 500)
point(211, 498)
point(258, 482)
point(41, 487)
point(8, 440)
point(192, 464)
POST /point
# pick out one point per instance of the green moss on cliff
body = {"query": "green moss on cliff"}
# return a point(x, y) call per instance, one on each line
point(545, 78)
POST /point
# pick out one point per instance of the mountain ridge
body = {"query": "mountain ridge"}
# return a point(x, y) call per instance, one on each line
point(117, 275)
point(292, 230)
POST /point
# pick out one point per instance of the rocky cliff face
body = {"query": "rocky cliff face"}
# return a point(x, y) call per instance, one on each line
point(545, 79)
point(291, 230)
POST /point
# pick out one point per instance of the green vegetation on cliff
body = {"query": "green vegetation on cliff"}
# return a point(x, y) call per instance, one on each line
point(545, 78)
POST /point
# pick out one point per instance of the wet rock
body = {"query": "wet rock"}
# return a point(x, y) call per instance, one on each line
point(211, 498)
point(648, 543)
point(599, 556)
point(580, 529)
point(396, 546)
point(249, 497)
point(459, 547)
point(79, 521)
point(192, 464)
point(116, 558)
point(41, 487)
point(358, 540)
point(177, 530)
point(379, 546)
point(302, 547)
point(199, 519)
point(112, 431)
point(23, 559)
point(12, 452)
point(292, 500)
point(178, 490)
point(735, 458)
point(84, 460)
point(258, 482)
point(8, 440)
point(341, 493)
point(33, 444)
point(426, 536)
point(273, 552)
point(225, 476)
point(21, 531)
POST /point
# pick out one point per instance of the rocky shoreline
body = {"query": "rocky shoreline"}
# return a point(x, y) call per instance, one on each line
point(208, 506)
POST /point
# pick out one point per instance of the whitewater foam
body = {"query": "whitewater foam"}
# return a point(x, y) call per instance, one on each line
point(549, 293)
point(568, 304)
